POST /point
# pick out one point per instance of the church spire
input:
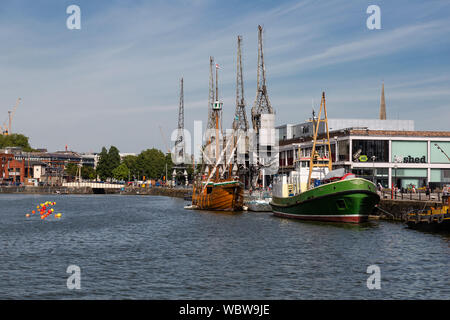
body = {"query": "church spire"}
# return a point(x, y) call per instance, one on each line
point(382, 104)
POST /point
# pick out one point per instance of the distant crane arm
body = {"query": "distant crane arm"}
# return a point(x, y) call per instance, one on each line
point(437, 146)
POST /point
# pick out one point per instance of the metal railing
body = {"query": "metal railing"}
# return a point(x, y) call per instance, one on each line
point(409, 195)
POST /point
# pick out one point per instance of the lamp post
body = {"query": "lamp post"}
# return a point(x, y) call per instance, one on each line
point(395, 167)
point(336, 151)
point(373, 168)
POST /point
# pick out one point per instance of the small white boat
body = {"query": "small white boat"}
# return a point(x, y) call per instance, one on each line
point(260, 205)
point(191, 207)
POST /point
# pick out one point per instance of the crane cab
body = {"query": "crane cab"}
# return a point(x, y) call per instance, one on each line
point(217, 105)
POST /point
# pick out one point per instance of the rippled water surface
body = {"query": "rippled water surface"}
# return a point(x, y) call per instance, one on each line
point(148, 247)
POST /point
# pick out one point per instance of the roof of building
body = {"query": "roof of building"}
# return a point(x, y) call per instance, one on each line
point(375, 133)
point(431, 134)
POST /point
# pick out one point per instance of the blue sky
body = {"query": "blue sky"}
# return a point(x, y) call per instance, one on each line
point(115, 81)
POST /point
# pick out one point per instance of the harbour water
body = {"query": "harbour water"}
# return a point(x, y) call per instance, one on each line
point(149, 247)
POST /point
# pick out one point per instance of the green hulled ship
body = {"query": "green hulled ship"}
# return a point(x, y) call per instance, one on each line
point(316, 192)
point(350, 200)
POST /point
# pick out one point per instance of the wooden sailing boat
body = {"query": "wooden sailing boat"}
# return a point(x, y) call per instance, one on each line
point(220, 190)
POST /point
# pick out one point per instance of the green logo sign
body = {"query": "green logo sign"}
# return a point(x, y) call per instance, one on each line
point(363, 158)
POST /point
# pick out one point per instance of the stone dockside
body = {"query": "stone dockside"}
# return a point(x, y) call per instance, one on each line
point(156, 191)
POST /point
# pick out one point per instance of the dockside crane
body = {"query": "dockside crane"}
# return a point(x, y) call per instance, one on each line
point(263, 117)
point(7, 130)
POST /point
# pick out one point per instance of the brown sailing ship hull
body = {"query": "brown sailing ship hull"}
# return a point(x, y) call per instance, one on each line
point(222, 196)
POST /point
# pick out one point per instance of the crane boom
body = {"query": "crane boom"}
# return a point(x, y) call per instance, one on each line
point(164, 139)
point(437, 146)
point(11, 115)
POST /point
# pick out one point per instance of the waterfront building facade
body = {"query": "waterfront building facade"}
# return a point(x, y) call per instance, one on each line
point(401, 158)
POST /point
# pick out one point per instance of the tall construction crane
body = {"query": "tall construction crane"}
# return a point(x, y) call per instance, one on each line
point(262, 103)
point(180, 143)
point(7, 131)
point(240, 122)
point(240, 118)
point(262, 116)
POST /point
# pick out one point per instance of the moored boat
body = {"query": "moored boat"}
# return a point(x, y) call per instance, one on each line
point(316, 192)
point(435, 218)
point(350, 200)
point(226, 195)
point(259, 205)
point(218, 188)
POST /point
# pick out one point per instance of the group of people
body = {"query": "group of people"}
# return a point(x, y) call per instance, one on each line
point(411, 188)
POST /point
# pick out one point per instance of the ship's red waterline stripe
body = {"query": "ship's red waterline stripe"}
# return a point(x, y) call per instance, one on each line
point(330, 218)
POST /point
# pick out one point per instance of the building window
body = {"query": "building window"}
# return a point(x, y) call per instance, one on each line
point(377, 175)
point(344, 150)
point(409, 151)
point(438, 149)
point(440, 175)
point(364, 150)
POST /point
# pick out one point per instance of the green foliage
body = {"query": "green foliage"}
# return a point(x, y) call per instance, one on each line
point(121, 172)
point(88, 173)
point(71, 170)
point(151, 163)
point(15, 140)
point(114, 158)
point(109, 160)
point(103, 166)
point(169, 166)
point(130, 162)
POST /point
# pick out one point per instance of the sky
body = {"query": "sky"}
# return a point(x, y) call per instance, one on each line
point(116, 80)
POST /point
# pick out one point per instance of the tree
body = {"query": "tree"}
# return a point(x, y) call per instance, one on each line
point(102, 166)
point(15, 140)
point(88, 173)
point(113, 158)
point(109, 160)
point(121, 172)
point(169, 166)
point(71, 170)
point(151, 163)
point(130, 162)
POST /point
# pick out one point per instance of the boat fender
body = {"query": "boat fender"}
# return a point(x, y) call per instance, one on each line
point(440, 219)
point(430, 218)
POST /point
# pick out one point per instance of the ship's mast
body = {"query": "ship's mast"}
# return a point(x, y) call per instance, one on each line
point(314, 161)
point(217, 110)
point(211, 123)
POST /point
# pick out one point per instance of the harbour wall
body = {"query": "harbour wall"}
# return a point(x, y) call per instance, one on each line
point(156, 191)
point(397, 210)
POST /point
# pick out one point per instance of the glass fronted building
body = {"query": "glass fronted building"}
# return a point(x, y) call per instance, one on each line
point(401, 158)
